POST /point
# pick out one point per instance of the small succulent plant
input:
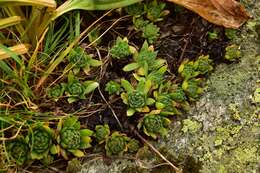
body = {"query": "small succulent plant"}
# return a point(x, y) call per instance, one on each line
point(135, 10)
point(137, 99)
point(56, 92)
point(187, 70)
point(121, 49)
point(192, 88)
point(139, 23)
point(76, 90)
point(203, 65)
point(231, 33)
point(232, 53)
point(113, 87)
point(150, 32)
point(154, 125)
point(157, 76)
point(18, 150)
point(40, 141)
point(166, 104)
point(116, 144)
point(155, 11)
point(80, 60)
point(101, 133)
point(145, 61)
point(133, 146)
point(170, 98)
point(178, 95)
point(93, 36)
point(213, 35)
point(190, 69)
point(72, 138)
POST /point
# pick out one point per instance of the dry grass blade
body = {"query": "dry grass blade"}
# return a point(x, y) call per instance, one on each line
point(228, 13)
point(45, 3)
point(19, 49)
point(9, 21)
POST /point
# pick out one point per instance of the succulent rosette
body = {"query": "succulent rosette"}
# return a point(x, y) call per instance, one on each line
point(81, 60)
point(166, 104)
point(40, 141)
point(154, 125)
point(18, 150)
point(203, 64)
point(137, 99)
point(187, 70)
point(116, 144)
point(72, 138)
point(76, 90)
point(113, 87)
point(133, 146)
point(155, 11)
point(56, 92)
point(192, 88)
point(178, 95)
point(121, 49)
point(101, 133)
point(145, 61)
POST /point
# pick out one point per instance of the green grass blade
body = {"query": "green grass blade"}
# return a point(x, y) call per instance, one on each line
point(91, 5)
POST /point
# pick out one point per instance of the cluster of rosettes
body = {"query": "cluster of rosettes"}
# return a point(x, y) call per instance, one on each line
point(73, 89)
point(150, 92)
point(68, 139)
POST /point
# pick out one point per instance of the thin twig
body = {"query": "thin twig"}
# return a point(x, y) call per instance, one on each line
point(110, 107)
point(176, 169)
point(13, 137)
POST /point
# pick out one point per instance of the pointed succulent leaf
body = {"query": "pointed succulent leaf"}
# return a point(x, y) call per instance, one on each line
point(76, 152)
point(130, 112)
point(127, 86)
point(54, 149)
point(150, 101)
point(90, 86)
point(124, 97)
point(95, 63)
point(86, 132)
point(131, 67)
point(71, 122)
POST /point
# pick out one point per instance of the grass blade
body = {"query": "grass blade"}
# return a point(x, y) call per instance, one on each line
point(9, 21)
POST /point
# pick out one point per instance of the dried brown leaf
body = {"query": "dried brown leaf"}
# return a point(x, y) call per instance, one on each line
point(228, 13)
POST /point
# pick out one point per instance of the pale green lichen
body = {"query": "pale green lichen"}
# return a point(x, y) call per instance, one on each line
point(190, 126)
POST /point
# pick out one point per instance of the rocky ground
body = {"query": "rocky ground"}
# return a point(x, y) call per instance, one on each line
point(221, 131)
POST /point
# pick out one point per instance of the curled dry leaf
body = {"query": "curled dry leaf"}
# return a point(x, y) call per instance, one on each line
point(228, 13)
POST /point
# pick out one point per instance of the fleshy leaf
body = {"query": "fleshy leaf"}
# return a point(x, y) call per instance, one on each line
point(130, 67)
point(77, 153)
point(127, 86)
